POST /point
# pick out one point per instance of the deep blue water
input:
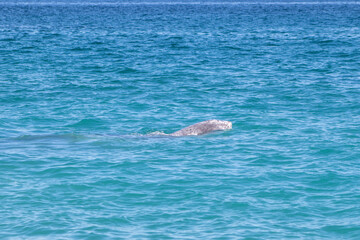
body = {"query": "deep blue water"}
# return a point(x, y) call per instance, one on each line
point(83, 87)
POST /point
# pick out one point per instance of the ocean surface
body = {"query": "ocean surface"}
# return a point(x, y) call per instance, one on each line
point(87, 89)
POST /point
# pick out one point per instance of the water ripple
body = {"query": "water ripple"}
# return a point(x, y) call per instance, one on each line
point(89, 89)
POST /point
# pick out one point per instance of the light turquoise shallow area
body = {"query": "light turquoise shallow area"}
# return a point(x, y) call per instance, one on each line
point(83, 86)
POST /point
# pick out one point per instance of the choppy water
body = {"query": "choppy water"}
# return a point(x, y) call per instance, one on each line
point(82, 86)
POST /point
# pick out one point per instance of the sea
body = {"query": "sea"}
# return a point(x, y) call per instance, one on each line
point(89, 89)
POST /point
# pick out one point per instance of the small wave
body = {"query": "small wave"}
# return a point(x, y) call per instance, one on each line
point(87, 123)
point(127, 70)
point(80, 49)
point(8, 39)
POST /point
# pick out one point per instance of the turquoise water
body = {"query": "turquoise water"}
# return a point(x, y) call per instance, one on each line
point(83, 87)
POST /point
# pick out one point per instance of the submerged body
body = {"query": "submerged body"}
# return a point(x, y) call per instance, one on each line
point(203, 128)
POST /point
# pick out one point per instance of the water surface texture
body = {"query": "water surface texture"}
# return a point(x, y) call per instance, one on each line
point(87, 89)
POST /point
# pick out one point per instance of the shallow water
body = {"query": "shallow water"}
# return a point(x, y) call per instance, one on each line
point(84, 86)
